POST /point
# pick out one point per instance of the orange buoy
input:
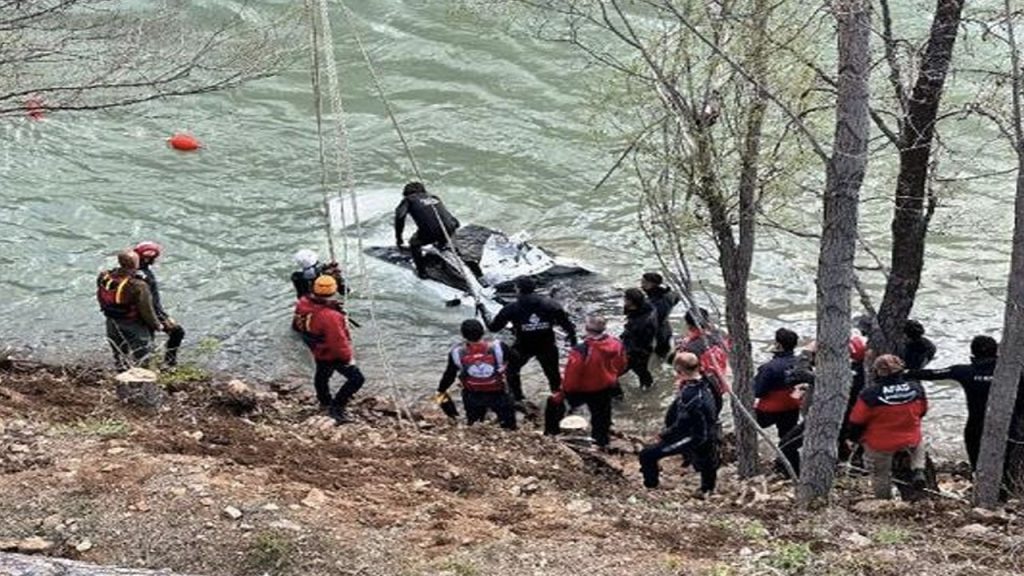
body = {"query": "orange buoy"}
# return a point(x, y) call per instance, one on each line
point(184, 142)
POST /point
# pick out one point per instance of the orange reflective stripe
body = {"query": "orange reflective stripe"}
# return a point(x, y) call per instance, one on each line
point(120, 288)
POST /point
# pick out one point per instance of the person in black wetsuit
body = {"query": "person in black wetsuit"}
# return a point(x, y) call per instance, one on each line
point(690, 428)
point(429, 214)
point(918, 350)
point(148, 252)
point(663, 299)
point(533, 317)
point(638, 334)
point(976, 379)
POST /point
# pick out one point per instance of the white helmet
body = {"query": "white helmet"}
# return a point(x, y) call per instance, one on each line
point(306, 258)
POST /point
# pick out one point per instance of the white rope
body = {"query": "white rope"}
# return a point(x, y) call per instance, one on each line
point(342, 161)
point(346, 175)
point(468, 277)
point(314, 42)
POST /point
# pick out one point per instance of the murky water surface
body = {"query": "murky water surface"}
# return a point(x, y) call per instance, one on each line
point(500, 126)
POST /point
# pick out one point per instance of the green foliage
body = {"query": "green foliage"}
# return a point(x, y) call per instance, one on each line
point(183, 374)
point(101, 427)
point(269, 553)
point(750, 529)
point(720, 570)
point(790, 558)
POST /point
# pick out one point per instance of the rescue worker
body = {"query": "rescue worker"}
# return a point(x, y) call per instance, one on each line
point(776, 401)
point(310, 268)
point(324, 327)
point(663, 299)
point(148, 252)
point(127, 303)
point(533, 317)
point(690, 428)
point(480, 366)
point(591, 377)
point(917, 351)
point(976, 379)
point(712, 347)
point(432, 220)
point(638, 334)
point(886, 420)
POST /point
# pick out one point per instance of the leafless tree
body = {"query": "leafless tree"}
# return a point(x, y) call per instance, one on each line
point(703, 142)
point(96, 54)
point(844, 175)
point(1004, 406)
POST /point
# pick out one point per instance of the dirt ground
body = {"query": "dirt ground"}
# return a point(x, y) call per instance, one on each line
point(224, 480)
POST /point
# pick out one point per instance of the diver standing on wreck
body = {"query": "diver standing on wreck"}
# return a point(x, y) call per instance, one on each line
point(429, 214)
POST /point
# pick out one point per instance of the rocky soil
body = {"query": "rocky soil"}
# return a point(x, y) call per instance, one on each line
point(212, 478)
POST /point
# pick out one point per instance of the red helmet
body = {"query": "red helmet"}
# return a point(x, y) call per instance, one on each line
point(858, 347)
point(148, 250)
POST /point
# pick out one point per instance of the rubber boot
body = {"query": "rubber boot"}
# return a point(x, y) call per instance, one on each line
point(338, 413)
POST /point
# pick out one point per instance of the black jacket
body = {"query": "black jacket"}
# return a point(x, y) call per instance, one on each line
point(640, 329)
point(916, 354)
point(779, 372)
point(975, 378)
point(146, 274)
point(421, 207)
point(533, 318)
point(663, 300)
point(691, 414)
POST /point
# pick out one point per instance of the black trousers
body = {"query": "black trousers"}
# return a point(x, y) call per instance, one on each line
point(174, 337)
point(703, 457)
point(416, 244)
point(663, 341)
point(131, 341)
point(972, 439)
point(477, 404)
point(599, 404)
point(548, 358)
point(637, 362)
point(322, 382)
point(784, 422)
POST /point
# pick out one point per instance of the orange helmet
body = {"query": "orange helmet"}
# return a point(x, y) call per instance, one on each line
point(325, 286)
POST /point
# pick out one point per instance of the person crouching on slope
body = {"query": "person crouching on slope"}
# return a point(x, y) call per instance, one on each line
point(480, 366)
point(324, 327)
point(690, 427)
point(591, 378)
point(887, 419)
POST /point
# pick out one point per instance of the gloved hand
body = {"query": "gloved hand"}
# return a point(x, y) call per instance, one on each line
point(558, 396)
point(573, 340)
point(444, 401)
point(168, 324)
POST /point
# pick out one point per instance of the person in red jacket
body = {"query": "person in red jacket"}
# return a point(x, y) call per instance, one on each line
point(591, 377)
point(324, 327)
point(887, 420)
point(711, 346)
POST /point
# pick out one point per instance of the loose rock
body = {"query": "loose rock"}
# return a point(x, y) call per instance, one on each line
point(232, 512)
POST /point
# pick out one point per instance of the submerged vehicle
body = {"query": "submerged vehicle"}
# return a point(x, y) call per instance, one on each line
point(486, 263)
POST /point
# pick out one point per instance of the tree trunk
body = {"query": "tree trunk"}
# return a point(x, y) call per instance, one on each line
point(913, 208)
point(1003, 394)
point(47, 566)
point(845, 173)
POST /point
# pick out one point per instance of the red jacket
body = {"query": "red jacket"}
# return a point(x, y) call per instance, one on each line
point(890, 413)
point(712, 349)
point(324, 328)
point(594, 365)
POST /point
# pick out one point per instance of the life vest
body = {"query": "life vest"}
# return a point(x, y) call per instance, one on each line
point(481, 366)
point(110, 292)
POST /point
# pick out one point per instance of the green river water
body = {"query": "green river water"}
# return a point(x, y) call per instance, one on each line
point(500, 126)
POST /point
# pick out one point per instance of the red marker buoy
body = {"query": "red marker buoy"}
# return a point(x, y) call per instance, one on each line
point(184, 142)
point(35, 108)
